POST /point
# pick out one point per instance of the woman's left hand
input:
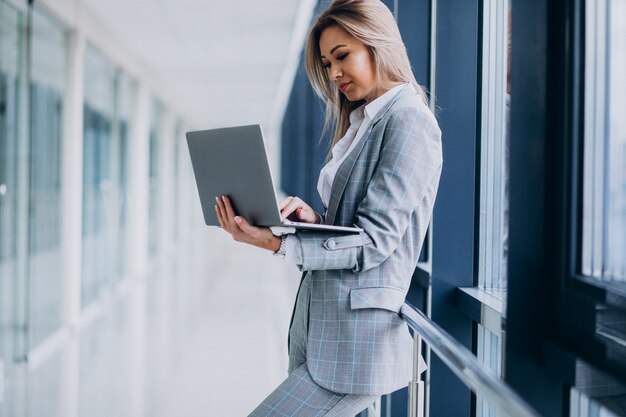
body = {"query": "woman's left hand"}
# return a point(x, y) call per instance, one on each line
point(241, 230)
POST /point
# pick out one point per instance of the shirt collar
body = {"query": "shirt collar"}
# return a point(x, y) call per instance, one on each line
point(357, 115)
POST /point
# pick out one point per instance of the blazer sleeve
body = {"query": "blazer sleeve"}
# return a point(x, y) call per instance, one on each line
point(409, 167)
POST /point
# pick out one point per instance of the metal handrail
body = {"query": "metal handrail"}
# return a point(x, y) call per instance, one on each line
point(465, 365)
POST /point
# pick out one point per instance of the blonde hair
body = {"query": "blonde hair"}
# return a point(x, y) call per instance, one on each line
point(372, 23)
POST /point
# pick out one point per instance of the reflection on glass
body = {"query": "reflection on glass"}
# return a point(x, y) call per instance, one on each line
point(598, 388)
point(126, 91)
point(494, 178)
point(109, 100)
point(99, 188)
point(490, 350)
point(616, 228)
point(11, 26)
point(155, 176)
point(47, 85)
point(493, 250)
point(178, 135)
point(604, 193)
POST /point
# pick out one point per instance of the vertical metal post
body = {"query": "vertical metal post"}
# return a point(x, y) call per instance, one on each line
point(374, 409)
point(416, 387)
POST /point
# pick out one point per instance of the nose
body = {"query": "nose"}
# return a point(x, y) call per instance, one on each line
point(335, 72)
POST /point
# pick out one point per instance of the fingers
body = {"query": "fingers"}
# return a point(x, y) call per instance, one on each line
point(238, 227)
point(235, 225)
point(303, 211)
point(291, 204)
point(226, 214)
point(221, 214)
point(284, 203)
point(230, 213)
point(246, 227)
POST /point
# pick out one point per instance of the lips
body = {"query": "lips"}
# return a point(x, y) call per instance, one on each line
point(344, 86)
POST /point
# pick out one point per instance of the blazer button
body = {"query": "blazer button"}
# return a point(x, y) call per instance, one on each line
point(331, 244)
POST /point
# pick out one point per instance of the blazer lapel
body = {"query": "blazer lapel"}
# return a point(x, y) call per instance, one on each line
point(341, 178)
point(343, 173)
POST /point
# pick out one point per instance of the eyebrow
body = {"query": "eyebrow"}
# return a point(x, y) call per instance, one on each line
point(333, 50)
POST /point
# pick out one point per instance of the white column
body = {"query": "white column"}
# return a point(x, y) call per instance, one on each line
point(138, 187)
point(138, 195)
point(165, 260)
point(71, 218)
point(167, 194)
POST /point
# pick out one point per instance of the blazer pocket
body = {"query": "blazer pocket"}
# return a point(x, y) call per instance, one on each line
point(347, 241)
point(388, 298)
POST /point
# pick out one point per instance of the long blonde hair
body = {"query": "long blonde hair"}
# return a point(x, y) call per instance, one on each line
point(372, 23)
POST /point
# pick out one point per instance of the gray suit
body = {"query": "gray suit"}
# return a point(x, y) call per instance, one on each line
point(357, 342)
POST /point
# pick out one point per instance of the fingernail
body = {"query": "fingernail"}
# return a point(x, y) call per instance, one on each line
point(217, 199)
point(238, 219)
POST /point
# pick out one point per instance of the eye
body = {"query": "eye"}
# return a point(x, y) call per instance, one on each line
point(326, 65)
point(342, 57)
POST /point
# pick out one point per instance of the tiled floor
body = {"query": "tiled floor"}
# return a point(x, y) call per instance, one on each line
point(238, 353)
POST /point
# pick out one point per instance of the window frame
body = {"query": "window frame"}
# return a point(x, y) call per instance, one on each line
point(547, 125)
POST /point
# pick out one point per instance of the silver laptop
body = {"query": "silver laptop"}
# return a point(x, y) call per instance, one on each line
point(233, 162)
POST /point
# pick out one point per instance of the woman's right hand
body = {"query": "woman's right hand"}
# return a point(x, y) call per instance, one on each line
point(303, 211)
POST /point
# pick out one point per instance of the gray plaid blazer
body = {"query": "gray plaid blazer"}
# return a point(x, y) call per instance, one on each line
point(357, 342)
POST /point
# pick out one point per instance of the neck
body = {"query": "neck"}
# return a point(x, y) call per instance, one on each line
point(379, 91)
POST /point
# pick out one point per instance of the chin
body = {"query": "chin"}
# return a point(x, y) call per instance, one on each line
point(352, 97)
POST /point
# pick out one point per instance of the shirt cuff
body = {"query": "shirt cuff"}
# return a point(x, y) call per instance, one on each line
point(293, 251)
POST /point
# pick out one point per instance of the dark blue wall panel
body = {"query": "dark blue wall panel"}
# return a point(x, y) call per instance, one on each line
point(302, 153)
point(414, 23)
point(454, 218)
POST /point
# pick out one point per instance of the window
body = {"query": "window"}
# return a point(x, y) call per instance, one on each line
point(108, 111)
point(603, 194)
point(177, 142)
point(494, 188)
point(47, 85)
point(604, 189)
point(494, 147)
point(125, 99)
point(154, 227)
point(99, 191)
point(12, 185)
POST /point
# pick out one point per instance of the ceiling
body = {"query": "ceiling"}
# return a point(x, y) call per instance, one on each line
point(224, 59)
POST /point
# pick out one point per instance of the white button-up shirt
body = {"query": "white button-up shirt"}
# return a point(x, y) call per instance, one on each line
point(360, 121)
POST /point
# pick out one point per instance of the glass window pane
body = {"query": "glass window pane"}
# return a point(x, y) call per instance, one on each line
point(11, 46)
point(616, 210)
point(155, 176)
point(126, 95)
point(177, 143)
point(494, 179)
point(599, 385)
point(46, 90)
point(98, 189)
point(604, 185)
point(494, 147)
point(489, 352)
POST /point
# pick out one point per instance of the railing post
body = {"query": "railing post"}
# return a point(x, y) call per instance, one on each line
point(416, 386)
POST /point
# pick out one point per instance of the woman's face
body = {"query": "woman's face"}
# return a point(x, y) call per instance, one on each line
point(349, 64)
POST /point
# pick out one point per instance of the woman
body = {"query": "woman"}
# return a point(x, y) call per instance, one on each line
point(347, 342)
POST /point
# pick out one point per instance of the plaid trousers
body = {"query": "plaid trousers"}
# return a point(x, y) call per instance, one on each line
point(299, 395)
